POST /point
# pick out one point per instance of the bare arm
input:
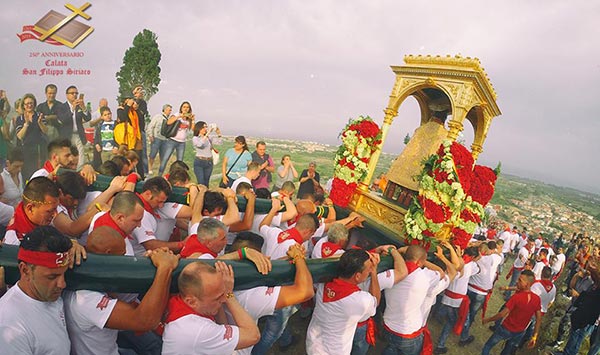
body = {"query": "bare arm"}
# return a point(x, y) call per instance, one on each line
point(233, 214)
point(400, 269)
point(275, 206)
point(302, 289)
point(246, 223)
point(503, 313)
point(198, 205)
point(536, 329)
point(290, 210)
point(374, 287)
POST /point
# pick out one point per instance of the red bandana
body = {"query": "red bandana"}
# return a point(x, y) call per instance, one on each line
point(107, 220)
point(338, 289)
point(467, 258)
point(20, 223)
point(290, 234)
point(48, 167)
point(293, 221)
point(411, 266)
point(547, 284)
point(43, 258)
point(176, 309)
point(193, 245)
point(329, 248)
point(147, 207)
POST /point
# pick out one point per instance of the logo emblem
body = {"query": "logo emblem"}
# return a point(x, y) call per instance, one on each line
point(103, 303)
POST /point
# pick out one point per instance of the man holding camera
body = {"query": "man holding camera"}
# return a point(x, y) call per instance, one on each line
point(75, 113)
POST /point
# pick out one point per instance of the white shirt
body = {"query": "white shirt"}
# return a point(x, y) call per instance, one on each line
point(560, 260)
point(333, 324)
point(258, 302)
point(28, 326)
point(193, 334)
point(316, 253)
point(12, 192)
point(239, 180)
point(506, 236)
point(167, 221)
point(145, 232)
point(82, 208)
point(271, 247)
point(537, 270)
point(6, 213)
point(546, 297)
point(41, 172)
point(404, 312)
point(431, 297)
point(521, 258)
point(87, 313)
point(488, 265)
point(460, 284)
point(128, 245)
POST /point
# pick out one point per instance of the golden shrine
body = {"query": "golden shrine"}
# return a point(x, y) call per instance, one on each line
point(448, 90)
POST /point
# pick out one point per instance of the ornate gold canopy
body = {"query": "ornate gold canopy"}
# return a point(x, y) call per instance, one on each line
point(457, 85)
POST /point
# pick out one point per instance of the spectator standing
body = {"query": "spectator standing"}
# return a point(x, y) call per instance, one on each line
point(129, 114)
point(31, 135)
point(203, 143)
point(157, 140)
point(309, 179)
point(11, 179)
point(266, 165)
point(138, 95)
point(235, 162)
point(185, 120)
point(74, 114)
point(286, 172)
point(4, 126)
point(51, 109)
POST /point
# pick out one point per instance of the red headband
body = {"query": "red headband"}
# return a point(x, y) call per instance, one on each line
point(44, 258)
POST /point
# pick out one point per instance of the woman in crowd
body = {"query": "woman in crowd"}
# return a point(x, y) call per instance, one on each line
point(286, 172)
point(203, 162)
point(130, 114)
point(31, 131)
point(236, 160)
point(185, 120)
point(11, 180)
point(309, 181)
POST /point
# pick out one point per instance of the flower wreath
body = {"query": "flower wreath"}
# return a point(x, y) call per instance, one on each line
point(452, 195)
point(360, 139)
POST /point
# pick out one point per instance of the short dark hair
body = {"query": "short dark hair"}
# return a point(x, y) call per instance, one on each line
point(214, 200)
point(179, 176)
point(46, 238)
point(50, 86)
point(109, 168)
point(125, 202)
point(15, 154)
point(157, 185)
point(70, 87)
point(491, 244)
point(243, 187)
point(104, 109)
point(71, 183)
point(198, 126)
point(546, 272)
point(530, 275)
point(178, 164)
point(38, 188)
point(263, 192)
point(121, 162)
point(544, 250)
point(74, 151)
point(58, 144)
point(248, 239)
point(472, 251)
point(351, 262)
point(261, 143)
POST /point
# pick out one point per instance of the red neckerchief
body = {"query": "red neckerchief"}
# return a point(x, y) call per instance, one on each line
point(545, 261)
point(547, 284)
point(291, 233)
point(192, 245)
point(147, 207)
point(293, 221)
point(338, 289)
point(467, 258)
point(176, 309)
point(329, 248)
point(48, 167)
point(107, 220)
point(20, 223)
point(411, 266)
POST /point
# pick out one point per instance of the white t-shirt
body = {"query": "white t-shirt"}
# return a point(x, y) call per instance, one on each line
point(145, 232)
point(404, 312)
point(460, 284)
point(546, 297)
point(560, 260)
point(521, 258)
point(316, 253)
point(28, 326)
point(167, 221)
point(271, 247)
point(6, 213)
point(537, 270)
point(82, 208)
point(505, 236)
point(333, 324)
point(193, 334)
point(87, 313)
point(258, 302)
point(488, 265)
point(431, 296)
point(239, 180)
point(41, 172)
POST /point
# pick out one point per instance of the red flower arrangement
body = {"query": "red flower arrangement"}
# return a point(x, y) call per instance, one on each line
point(482, 184)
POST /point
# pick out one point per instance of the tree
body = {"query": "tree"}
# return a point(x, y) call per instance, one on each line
point(140, 66)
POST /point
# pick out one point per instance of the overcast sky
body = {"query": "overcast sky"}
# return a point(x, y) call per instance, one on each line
point(300, 69)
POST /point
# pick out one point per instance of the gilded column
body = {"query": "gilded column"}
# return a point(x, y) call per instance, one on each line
point(390, 113)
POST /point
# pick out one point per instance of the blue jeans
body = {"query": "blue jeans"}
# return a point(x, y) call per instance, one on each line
point(359, 343)
point(275, 328)
point(513, 281)
point(576, 337)
point(203, 169)
point(501, 333)
point(476, 303)
point(144, 156)
point(146, 343)
point(594, 343)
point(170, 147)
point(157, 147)
point(447, 315)
point(402, 346)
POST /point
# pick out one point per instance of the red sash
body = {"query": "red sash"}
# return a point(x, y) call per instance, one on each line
point(48, 167)
point(427, 344)
point(548, 285)
point(371, 335)
point(192, 245)
point(176, 309)
point(20, 223)
point(337, 289)
point(107, 220)
point(290, 234)
point(463, 310)
point(329, 248)
point(148, 208)
point(487, 298)
point(512, 269)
